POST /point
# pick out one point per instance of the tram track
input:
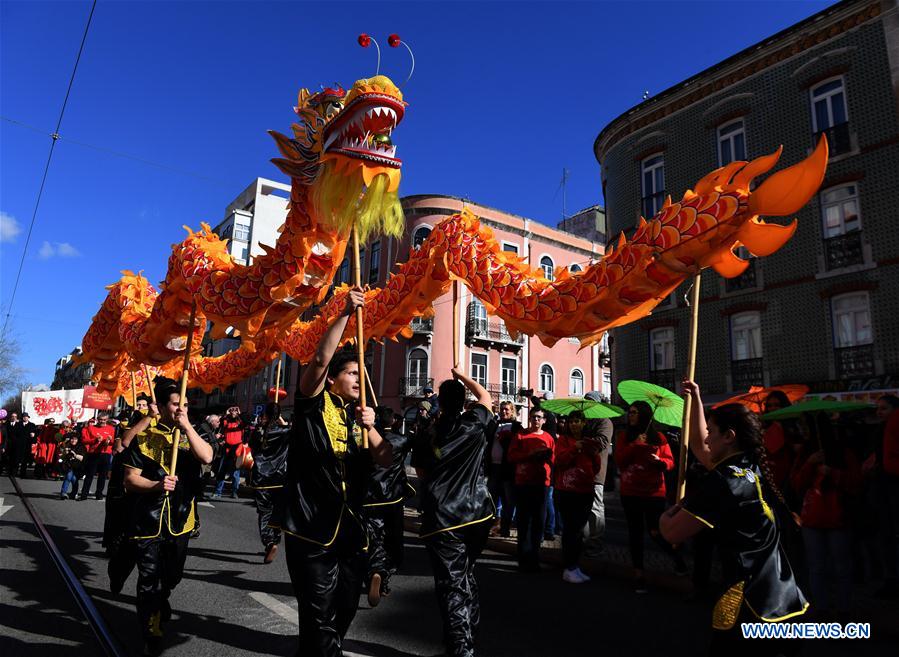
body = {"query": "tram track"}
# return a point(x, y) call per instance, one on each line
point(105, 639)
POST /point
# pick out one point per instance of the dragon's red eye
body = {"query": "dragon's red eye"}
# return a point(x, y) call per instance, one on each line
point(364, 40)
point(394, 40)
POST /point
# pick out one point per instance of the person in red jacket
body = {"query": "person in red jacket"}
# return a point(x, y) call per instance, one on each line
point(827, 480)
point(531, 450)
point(886, 474)
point(97, 439)
point(45, 452)
point(578, 459)
point(232, 427)
point(643, 456)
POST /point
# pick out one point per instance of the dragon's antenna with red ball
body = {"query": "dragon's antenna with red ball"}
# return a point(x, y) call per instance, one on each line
point(365, 40)
point(394, 41)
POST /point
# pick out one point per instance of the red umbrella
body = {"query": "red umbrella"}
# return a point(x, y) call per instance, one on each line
point(756, 396)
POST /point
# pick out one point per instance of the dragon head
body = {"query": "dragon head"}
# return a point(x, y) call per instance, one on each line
point(343, 150)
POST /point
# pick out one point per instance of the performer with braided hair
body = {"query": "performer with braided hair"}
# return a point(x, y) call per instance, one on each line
point(732, 501)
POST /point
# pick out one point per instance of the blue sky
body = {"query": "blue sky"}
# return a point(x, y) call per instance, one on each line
point(504, 96)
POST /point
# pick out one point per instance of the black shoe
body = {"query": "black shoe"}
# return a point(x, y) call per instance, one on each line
point(195, 532)
point(165, 613)
point(98, 496)
point(63, 497)
point(81, 498)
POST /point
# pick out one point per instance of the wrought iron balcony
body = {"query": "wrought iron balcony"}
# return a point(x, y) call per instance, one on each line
point(422, 325)
point(486, 331)
point(855, 361)
point(747, 372)
point(839, 139)
point(664, 378)
point(844, 250)
point(745, 281)
point(413, 386)
point(505, 392)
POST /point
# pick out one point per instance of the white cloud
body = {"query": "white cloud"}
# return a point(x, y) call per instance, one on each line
point(57, 249)
point(9, 227)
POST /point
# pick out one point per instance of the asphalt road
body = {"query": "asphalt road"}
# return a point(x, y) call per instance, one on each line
point(229, 603)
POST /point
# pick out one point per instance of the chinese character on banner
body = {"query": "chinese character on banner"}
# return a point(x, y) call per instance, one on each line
point(47, 406)
point(56, 405)
point(74, 410)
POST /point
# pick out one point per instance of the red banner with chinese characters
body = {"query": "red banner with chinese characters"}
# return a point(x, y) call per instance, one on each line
point(93, 398)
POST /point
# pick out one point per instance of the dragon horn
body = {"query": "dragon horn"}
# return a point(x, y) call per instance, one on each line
point(788, 190)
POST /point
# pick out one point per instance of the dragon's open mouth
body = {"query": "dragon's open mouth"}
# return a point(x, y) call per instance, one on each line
point(362, 130)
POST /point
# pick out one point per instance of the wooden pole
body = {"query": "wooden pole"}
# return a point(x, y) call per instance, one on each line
point(149, 383)
point(688, 399)
point(182, 400)
point(360, 339)
point(371, 388)
point(278, 379)
point(133, 391)
point(455, 323)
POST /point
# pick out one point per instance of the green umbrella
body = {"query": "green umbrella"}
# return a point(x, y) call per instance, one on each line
point(592, 409)
point(815, 406)
point(667, 407)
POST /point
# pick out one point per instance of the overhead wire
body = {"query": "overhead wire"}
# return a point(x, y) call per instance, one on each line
point(54, 137)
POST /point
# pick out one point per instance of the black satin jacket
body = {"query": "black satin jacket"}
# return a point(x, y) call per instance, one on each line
point(321, 490)
point(151, 514)
point(389, 485)
point(453, 456)
point(269, 448)
point(729, 500)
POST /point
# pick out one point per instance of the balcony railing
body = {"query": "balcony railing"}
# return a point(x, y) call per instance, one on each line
point(746, 373)
point(505, 392)
point(413, 386)
point(484, 330)
point(839, 139)
point(855, 361)
point(422, 325)
point(844, 250)
point(664, 378)
point(744, 281)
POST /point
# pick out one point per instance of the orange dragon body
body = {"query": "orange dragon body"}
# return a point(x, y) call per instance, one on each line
point(342, 152)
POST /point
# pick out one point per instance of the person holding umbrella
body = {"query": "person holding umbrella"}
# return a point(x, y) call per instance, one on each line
point(643, 456)
point(732, 501)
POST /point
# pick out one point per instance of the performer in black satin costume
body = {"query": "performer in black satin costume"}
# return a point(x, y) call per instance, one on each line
point(457, 509)
point(269, 442)
point(387, 490)
point(162, 511)
point(328, 472)
point(733, 500)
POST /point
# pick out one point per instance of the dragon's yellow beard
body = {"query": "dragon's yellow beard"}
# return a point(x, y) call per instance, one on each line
point(342, 200)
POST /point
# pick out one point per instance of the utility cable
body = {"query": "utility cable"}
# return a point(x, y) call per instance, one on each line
point(54, 138)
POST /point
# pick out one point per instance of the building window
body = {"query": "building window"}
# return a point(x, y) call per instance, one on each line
point(731, 142)
point(829, 115)
point(653, 185)
point(661, 344)
point(242, 232)
point(242, 252)
point(546, 263)
point(479, 368)
point(418, 368)
point(839, 207)
point(420, 235)
point(576, 385)
point(747, 280)
point(343, 272)
point(746, 336)
point(374, 268)
point(575, 267)
point(509, 376)
point(547, 384)
point(851, 320)
point(511, 248)
point(607, 383)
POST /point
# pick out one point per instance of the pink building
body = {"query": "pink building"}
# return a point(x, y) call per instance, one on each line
point(401, 371)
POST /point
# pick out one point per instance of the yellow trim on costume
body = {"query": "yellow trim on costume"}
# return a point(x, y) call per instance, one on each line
point(727, 608)
point(464, 524)
point(396, 501)
point(335, 424)
point(779, 618)
point(702, 520)
point(263, 487)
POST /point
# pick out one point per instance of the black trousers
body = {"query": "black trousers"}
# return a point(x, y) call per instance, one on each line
point(642, 514)
point(453, 555)
point(95, 464)
point(385, 541)
point(530, 502)
point(575, 509)
point(502, 489)
point(160, 565)
point(265, 504)
point(326, 583)
point(19, 458)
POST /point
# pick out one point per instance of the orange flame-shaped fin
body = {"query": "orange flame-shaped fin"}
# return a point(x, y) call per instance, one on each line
point(764, 239)
point(788, 190)
point(730, 265)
